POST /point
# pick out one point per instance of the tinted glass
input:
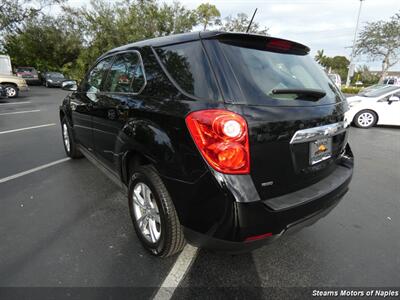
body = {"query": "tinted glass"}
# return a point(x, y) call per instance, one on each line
point(189, 67)
point(260, 72)
point(55, 75)
point(126, 74)
point(25, 69)
point(95, 76)
point(382, 91)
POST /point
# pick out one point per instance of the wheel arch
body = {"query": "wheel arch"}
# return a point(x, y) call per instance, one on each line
point(10, 83)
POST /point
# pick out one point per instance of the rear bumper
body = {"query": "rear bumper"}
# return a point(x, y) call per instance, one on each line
point(208, 242)
point(221, 223)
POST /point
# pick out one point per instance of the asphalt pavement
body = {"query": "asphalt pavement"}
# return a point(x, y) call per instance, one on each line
point(68, 225)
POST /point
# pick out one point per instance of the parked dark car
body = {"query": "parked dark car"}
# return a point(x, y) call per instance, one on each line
point(30, 75)
point(53, 79)
point(224, 140)
point(3, 92)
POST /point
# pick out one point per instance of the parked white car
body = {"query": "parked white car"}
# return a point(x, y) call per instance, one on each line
point(375, 107)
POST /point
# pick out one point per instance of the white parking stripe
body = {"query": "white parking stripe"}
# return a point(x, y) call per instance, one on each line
point(20, 112)
point(177, 273)
point(12, 103)
point(34, 170)
point(27, 128)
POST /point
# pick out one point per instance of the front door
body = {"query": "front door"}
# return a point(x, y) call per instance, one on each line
point(82, 103)
point(124, 82)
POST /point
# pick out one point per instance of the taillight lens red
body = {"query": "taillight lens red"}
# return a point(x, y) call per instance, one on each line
point(222, 138)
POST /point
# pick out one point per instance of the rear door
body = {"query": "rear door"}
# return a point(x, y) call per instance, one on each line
point(280, 90)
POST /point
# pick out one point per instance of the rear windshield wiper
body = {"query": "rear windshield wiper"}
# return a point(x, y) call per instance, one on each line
point(311, 94)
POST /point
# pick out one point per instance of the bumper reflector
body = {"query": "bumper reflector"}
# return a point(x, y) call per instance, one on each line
point(258, 237)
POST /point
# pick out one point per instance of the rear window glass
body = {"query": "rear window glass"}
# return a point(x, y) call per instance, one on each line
point(189, 67)
point(264, 75)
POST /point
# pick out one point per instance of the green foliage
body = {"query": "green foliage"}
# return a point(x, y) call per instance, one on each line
point(73, 40)
point(351, 90)
point(240, 23)
point(107, 26)
point(381, 41)
point(364, 75)
point(208, 15)
point(46, 44)
point(336, 64)
point(13, 13)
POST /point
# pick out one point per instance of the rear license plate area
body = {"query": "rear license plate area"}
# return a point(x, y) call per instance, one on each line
point(320, 150)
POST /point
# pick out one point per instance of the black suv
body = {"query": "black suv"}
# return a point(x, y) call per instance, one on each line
point(223, 140)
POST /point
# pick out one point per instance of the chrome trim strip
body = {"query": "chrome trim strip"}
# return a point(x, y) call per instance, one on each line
point(315, 133)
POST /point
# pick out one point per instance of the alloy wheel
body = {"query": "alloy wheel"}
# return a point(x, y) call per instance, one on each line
point(146, 212)
point(366, 119)
point(11, 92)
point(66, 137)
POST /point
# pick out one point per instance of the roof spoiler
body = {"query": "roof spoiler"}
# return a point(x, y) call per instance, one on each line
point(259, 42)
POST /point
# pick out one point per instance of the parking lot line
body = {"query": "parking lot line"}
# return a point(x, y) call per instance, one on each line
point(178, 271)
point(20, 112)
point(12, 103)
point(5, 179)
point(27, 128)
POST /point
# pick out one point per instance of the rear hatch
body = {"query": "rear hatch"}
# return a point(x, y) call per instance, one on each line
point(278, 87)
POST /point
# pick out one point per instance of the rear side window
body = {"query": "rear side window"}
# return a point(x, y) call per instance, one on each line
point(95, 76)
point(264, 75)
point(126, 74)
point(188, 65)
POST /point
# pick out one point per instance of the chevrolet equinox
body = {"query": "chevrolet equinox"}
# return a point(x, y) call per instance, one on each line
point(224, 140)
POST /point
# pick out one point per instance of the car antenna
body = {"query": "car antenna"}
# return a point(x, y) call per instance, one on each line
point(251, 21)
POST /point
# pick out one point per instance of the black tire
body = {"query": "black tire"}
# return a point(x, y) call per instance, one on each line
point(71, 151)
point(12, 91)
point(365, 119)
point(171, 239)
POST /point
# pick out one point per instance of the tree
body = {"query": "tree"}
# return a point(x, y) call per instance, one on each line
point(208, 15)
point(46, 44)
point(336, 64)
point(364, 74)
point(320, 56)
point(108, 25)
point(240, 23)
point(14, 12)
point(381, 41)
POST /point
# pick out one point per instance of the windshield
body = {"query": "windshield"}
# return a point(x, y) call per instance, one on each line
point(261, 72)
point(20, 70)
point(56, 75)
point(380, 91)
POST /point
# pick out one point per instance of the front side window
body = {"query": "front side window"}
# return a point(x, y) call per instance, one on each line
point(96, 75)
point(189, 67)
point(126, 74)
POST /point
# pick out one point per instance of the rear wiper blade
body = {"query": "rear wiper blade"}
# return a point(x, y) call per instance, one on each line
point(310, 93)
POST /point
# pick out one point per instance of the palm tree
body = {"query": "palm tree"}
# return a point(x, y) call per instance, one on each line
point(320, 56)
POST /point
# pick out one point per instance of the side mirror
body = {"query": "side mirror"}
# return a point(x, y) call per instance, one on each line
point(69, 85)
point(393, 99)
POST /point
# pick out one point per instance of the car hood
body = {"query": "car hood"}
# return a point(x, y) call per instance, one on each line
point(9, 76)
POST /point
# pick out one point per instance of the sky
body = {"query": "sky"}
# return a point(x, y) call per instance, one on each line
point(319, 24)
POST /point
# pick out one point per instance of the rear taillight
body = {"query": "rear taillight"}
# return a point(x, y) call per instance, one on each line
point(222, 138)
